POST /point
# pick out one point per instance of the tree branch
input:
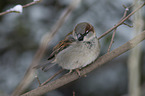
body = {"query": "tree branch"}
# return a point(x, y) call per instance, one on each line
point(134, 58)
point(112, 40)
point(24, 6)
point(100, 61)
point(122, 21)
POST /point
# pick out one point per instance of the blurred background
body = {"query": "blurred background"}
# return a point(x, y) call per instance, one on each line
point(21, 35)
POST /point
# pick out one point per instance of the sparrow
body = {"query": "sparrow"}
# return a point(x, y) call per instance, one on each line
point(79, 48)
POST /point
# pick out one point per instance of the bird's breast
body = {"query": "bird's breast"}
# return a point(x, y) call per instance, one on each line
point(79, 54)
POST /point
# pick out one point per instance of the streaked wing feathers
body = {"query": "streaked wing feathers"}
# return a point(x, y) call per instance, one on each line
point(62, 45)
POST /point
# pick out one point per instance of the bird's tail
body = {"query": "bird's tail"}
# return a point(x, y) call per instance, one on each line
point(45, 66)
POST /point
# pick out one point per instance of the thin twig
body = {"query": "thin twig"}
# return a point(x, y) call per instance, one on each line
point(6, 12)
point(128, 25)
point(128, 7)
point(125, 13)
point(38, 80)
point(112, 39)
point(121, 21)
point(100, 61)
point(31, 3)
point(24, 6)
point(52, 77)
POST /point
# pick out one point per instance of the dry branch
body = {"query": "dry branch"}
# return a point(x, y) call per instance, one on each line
point(24, 6)
point(134, 59)
point(122, 21)
point(112, 40)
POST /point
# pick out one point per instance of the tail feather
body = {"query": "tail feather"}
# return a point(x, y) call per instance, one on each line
point(45, 66)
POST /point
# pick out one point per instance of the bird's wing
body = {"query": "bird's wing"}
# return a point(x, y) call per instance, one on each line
point(62, 45)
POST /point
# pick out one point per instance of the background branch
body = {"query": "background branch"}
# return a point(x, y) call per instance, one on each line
point(134, 62)
point(112, 39)
point(30, 74)
point(102, 60)
point(122, 21)
point(24, 6)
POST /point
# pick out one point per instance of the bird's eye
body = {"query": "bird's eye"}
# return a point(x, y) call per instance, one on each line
point(80, 37)
point(87, 31)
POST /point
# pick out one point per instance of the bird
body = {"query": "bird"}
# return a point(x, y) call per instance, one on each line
point(78, 49)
